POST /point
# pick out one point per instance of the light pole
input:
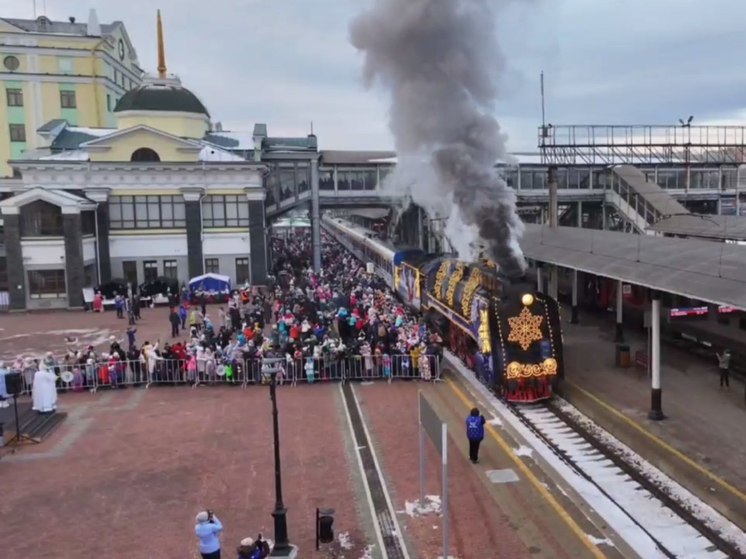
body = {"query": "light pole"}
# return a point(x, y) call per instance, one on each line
point(282, 547)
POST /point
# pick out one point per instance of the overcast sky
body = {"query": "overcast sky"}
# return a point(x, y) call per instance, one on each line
point(289, 62)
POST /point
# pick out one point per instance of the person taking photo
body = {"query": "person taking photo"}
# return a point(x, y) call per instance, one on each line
point(208, 529)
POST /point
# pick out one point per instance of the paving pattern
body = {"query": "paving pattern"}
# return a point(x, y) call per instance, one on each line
point(128, 470)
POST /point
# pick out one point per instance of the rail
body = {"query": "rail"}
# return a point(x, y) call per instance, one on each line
point(239, 372)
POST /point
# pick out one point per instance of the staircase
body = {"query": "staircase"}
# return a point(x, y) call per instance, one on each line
point(640, 201)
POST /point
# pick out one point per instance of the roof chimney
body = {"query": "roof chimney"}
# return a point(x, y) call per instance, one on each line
point(94, 28)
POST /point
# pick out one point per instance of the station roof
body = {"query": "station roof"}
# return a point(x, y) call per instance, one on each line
point(704, 226)
point(371, 213)
point(338, 157)
point(687, 267)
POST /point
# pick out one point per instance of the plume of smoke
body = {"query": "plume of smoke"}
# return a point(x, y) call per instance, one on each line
point(439, 59)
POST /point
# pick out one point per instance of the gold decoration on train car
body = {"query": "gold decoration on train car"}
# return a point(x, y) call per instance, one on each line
point(457, 276)
point(517, 370)
point(397, 271)
point(525, 328)
point(440, 277)
point(484, 331)
point(527, 299)
point(474, 281)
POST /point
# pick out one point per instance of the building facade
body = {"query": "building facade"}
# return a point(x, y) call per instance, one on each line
point(153, 197)
point(53, 71)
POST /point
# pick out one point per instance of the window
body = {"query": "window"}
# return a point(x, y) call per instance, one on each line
point(170, 270)
point(11, 63)
point(3, 274)
point(212, 266)
point(47, 284)
point(242, 270)
point(88, 223)
point(326, 179)
point(108, 102)
point(151, 269)
point(15, 97)
point(129, 270)
point(41, 219)
point(145, 154)
point(17, 133)
point(89, 275)
point(67, 100)
point(225, 211)
point(147, 212)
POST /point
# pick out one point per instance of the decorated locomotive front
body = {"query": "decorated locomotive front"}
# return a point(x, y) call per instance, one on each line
point(527, 347)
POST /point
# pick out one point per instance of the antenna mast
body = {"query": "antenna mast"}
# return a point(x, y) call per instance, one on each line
point(543, 113)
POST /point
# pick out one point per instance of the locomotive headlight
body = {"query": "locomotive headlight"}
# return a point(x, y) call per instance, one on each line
point(527, 299)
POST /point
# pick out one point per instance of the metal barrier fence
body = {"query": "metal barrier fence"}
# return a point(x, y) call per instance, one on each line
point(240, 372)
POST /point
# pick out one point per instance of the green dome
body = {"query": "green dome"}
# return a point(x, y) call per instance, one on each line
point(161, 97)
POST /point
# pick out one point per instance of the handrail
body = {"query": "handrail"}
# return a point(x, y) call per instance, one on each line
point(635, 200)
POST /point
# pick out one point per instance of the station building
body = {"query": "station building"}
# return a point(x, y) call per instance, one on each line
point(71, 70)
point(160, 194)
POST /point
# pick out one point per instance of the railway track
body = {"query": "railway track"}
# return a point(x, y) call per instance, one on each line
point(675, 531)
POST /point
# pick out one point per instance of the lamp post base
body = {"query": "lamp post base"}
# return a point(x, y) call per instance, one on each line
point(290, 552)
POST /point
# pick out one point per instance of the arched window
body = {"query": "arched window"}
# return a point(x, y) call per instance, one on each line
point(145, 154)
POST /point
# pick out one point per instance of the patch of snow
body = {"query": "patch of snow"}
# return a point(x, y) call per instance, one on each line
point(214, 153)
point(368, 552)
point(495, 421)
point(523, 451)
point(416, 508)
point(69, 155)
point(367, 383)
point(98, 132)
point(345, 542)
point(701, 510)
point(600, 541)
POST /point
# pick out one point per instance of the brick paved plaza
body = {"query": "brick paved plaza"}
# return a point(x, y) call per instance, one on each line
point(127, 471)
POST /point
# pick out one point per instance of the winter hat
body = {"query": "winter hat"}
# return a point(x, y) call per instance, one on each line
point(246, 542)
point(202, 517)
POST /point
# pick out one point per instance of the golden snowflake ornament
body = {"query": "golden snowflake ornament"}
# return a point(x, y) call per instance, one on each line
point(525, 328)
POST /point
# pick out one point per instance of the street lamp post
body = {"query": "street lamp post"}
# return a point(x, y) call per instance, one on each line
point(282, 547)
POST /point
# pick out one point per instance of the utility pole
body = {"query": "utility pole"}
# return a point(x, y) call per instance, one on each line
point(553, 224)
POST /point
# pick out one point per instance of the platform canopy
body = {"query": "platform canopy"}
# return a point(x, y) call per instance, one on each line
point(705, 226)
point(703, 270)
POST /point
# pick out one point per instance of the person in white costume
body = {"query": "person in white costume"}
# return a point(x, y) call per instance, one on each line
point(44, 391)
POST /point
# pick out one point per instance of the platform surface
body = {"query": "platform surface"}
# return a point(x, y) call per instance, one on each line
point(704, 423)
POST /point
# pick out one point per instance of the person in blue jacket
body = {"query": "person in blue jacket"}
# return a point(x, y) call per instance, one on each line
point(475, 433)
point(208, 529)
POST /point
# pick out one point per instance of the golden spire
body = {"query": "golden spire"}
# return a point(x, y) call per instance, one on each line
point(161, 50)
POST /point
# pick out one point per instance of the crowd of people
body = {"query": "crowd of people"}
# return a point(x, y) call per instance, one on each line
point(340, 323)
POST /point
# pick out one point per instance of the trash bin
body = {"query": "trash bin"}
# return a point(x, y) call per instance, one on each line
point(623, 356)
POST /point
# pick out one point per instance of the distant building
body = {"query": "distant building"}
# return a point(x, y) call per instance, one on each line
point(155, 196)
point(60, 70)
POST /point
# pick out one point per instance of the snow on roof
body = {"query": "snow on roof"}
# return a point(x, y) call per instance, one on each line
point(211, 152)
point(71, 155)
point(98, 132)
point(245, 139)
point(511, 159)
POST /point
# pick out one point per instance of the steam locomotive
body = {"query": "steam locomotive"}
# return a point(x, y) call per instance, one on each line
point(506, 332)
